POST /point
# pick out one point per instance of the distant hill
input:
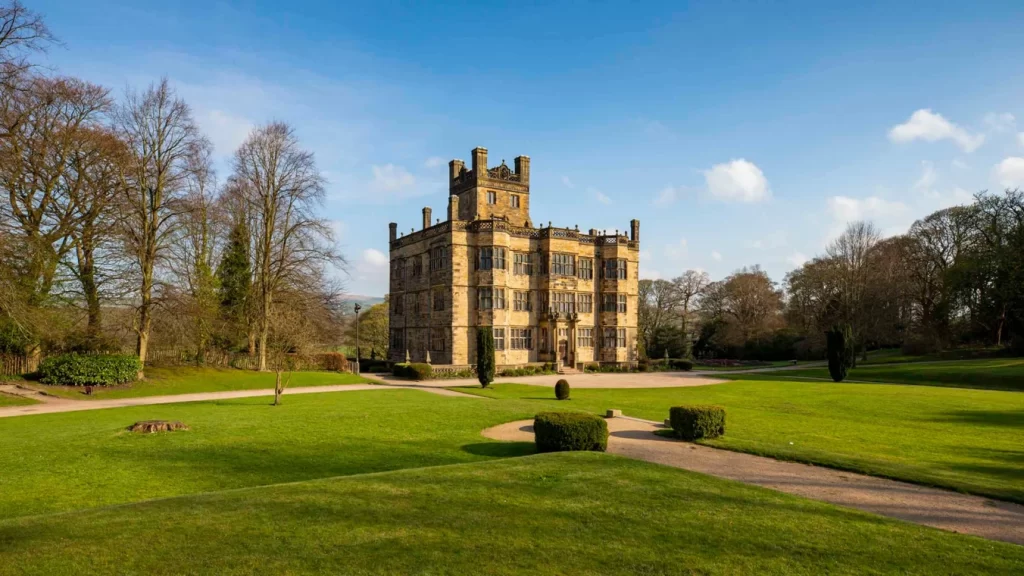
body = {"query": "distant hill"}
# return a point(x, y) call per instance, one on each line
point(365, 301)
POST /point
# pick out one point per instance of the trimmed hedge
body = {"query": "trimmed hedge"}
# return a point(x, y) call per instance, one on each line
point(696, 422)
point(89, 369)
point(570, 431)
point(414, 371)
point(681, 364)
point(562, 390)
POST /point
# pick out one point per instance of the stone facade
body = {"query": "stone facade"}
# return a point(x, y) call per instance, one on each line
point(550, 294)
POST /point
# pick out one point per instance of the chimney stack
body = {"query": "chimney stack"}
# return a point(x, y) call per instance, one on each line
point(393, 231)
point(453, 208)
point(426, 217)
point(634, 230)
point(479, 161)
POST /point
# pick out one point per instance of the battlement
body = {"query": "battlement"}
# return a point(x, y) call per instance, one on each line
point(515, 179)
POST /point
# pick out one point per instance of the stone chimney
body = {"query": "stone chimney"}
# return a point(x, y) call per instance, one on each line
point(393, 231)
point(426, 217)
point(480, 161)
point(453, 208)
point(522, 164)
point(634, 230)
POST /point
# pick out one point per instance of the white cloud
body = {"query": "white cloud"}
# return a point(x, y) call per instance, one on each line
point(771, 241)
point(567, 183)
point(599, 196)
point(845, 209)
point(375, 257)
point(797, 259)
point(1004, 122)
point(737, 180)
point(960, 164)
point(716, 255)
point(1020, 138)
point(667, 196)
point(434, 162)
point(677, 250)
point(646, 274)
point(931, 127)
point(928, 177)
point(1010, 172)
point(225, 131)
point(391, 178)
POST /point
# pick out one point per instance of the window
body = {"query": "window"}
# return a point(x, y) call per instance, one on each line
point(398, 269)
point(399, 305)
point(492, 197)
point(522, 338)
point(584, 303)
point(563, 333)
point(609, 338)
point(585, 338)
point(563, 302)
point(438, 258)
point(513, 200)
point(543, 338)
point(521, 302)
point(610, 303)
point(620, 338)
point(490, 298)
point(397, 342)
point(415, 304)
point(499, 338)
point(622, 304)
point(491, 258)
point(563, 264)
point(522, 263)
point(586, 268)
point(417, 267)
point(615, 268)
point(438, 300)
point(437, 339)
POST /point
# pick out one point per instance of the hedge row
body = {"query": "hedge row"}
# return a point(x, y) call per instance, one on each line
point(89, 369)
point(413, 371)
point(570, 431)
point(696, 422)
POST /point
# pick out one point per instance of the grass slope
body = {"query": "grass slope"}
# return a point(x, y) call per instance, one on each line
point(9, 400)
point(998, 374)
point(569, 513)
point(58, 462)
point(969, 440)
point(185, 380)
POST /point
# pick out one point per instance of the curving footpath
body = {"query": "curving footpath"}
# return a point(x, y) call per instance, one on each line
point(934, 507)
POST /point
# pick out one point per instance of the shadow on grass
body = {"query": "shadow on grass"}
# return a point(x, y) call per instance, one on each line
point(1007, 418)
point(501, 449)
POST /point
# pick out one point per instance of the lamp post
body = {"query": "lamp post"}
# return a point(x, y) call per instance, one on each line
point(357, 308)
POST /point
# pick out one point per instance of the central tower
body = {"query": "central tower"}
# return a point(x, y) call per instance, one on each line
point(482, 193)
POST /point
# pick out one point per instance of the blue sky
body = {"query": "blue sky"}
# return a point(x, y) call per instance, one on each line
point(739, 133)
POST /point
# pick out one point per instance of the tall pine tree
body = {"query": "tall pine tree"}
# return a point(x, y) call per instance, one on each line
point(234, 275)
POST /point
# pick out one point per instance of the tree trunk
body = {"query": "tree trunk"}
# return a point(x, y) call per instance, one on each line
point(277, 389)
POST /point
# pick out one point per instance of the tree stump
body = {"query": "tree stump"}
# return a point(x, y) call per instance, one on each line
point(151, 426)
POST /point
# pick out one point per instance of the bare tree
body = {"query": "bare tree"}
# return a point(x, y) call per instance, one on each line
point(657, 302)
point(291, 243)
point(851, 251)
point(160, 132)
point(22, 32)
point(688, 289)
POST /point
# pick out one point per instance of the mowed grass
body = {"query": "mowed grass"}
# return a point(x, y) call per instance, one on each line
point(968, 440)
point(60, 462)
point(9, 400)
point(186, 380)
point(993, 374)
point(568, 513)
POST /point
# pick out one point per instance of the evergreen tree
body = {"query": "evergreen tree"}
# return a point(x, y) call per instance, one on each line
point(234, 275)
point(485, 355)
point(840, 351)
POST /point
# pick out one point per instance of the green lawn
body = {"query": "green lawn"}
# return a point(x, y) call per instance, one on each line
point(9, 400)
point(59, 462)
point(184, 380)
point(969, 440)
point(705, 368)
point(992, 374)
point(569, 513)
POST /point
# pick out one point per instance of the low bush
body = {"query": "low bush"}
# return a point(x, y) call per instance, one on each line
point(562, 390)
point(369, 365)
point(570, 431)
point(696, 422)
point(89, 369)
point(413, 371)
point(681, 364)
point(334, 361)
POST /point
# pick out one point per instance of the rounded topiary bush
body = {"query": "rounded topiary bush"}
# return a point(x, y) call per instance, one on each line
point(413, 371)
point(696, 422)
point(89, 369)
point(682, 364)
point(562, 390)
point(570, 431)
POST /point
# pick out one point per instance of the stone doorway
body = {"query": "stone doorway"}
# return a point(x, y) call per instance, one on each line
point(563, 353)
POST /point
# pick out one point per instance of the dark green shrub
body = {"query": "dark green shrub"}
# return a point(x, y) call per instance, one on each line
point(562, 390)
point(840, 351)
point(371, 366)
point(420, 371)
point(89, 369)
point(570, 431)
point(696, 422)
point(484, 355)
point(681, 364)
point(400, 369)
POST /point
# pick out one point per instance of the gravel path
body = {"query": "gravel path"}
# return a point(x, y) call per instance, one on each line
point(53, 404)
point(929, 506)
point(611, 380)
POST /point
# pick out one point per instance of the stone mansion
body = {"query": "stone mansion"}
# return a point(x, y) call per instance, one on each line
point(551, 295)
